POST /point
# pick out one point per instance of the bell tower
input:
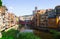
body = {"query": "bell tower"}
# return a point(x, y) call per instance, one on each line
point(35, 11)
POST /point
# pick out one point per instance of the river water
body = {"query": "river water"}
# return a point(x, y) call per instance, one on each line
point(23, 29)
point(41, 34)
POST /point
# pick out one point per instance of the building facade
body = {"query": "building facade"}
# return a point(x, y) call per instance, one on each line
point(49, 18)
point(7, 19)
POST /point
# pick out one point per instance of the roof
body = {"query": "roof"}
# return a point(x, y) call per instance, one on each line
point(57, 6)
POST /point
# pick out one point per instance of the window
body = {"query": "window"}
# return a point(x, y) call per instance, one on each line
point(4, 26)
point(3, 13)
point(41, 20)
point(12, 21)
point(3, 19)
point(59, 17)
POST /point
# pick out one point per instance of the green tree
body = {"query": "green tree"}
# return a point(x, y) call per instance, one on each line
point(0, 3)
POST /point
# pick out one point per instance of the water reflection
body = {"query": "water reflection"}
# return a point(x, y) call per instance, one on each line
point(27, 30)
point(43, 35)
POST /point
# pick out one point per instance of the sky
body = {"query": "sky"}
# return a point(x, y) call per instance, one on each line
point(26, 7)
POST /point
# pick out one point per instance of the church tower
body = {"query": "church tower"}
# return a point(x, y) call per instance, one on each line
point(35, 11)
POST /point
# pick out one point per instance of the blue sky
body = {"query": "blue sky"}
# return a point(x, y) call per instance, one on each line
point(25, 7)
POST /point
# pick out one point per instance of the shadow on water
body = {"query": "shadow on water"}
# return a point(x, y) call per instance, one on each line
point(43, 35)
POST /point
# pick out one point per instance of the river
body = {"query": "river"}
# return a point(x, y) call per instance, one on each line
point(43, 35)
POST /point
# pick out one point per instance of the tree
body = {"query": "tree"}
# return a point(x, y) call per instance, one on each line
point(0, 3)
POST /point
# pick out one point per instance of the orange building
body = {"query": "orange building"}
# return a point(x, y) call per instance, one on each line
point(43, 19)
point(7, 19)
point(39, 19)
point(52, 23)
point(3, 9)
point(11, 19)
point(49, 18)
